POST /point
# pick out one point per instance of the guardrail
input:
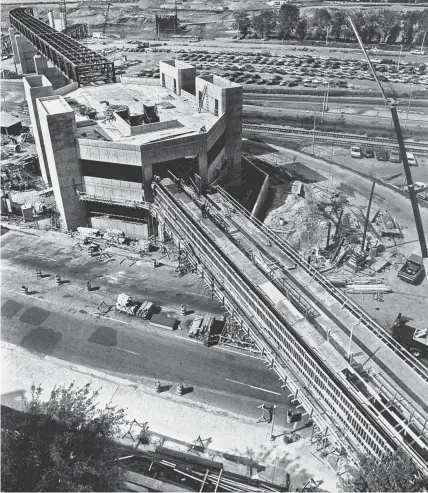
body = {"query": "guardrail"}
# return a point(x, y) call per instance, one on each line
point(338, 137)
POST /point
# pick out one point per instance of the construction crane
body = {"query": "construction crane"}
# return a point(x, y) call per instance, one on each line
point(392, 104)
point(106, 17)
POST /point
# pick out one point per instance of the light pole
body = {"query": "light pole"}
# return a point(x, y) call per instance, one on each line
point(350, 339)
point(313, 134)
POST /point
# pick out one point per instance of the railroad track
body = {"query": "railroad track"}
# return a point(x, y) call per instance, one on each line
point(337, 137)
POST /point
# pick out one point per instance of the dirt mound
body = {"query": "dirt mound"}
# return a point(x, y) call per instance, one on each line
point(299, 215)
point(250, 5)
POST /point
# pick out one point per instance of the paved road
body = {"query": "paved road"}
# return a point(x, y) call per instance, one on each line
point(370, 103)
point(61, 322)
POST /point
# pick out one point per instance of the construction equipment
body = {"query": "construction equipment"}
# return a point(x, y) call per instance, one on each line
point(415, 340)
point(413, 269)
point(106, 17)
point(393, 103)
point(139, 309)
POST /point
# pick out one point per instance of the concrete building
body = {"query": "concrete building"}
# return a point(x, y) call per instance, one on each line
point(100, 146)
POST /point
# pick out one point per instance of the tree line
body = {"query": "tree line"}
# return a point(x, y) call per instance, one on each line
point(374, 26)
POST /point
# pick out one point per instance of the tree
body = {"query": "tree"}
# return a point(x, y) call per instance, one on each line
point(320, 22)
point(264, 23)
point(396, 473)
point(302, 28)
point(288, 19)
point(63, 444)
point(338, 23)
point(242, 23)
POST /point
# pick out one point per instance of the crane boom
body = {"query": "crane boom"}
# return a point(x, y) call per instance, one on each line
point(392, 103)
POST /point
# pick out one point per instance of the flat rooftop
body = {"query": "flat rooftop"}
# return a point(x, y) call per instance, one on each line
point(170, 107)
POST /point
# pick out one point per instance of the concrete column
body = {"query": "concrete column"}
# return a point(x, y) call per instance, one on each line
point(12, 34)
point(58, 125)
point(203, 169)
point(40, 63)
point(37, 86)
point(26, 52)
point(51, 19)
point(233, 101)
point(147, 182)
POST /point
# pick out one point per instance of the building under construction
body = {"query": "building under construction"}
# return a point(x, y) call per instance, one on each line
point(100, 150)
point(166, 24)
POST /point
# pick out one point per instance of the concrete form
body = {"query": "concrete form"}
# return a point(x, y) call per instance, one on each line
point(101, 167)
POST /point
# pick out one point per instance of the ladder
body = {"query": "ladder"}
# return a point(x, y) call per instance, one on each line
point(201, 101)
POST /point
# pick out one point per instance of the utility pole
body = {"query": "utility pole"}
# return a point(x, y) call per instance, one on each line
point(423, 41)
point(392, 103)
point(272, 437)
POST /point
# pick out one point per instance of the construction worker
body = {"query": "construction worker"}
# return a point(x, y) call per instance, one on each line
point(58, 279)
point(88, 286)
point(24, 289)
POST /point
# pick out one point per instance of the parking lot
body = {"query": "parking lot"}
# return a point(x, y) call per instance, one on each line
point(305, 70)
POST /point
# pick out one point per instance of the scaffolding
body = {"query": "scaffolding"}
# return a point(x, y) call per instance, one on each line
point(74, 60)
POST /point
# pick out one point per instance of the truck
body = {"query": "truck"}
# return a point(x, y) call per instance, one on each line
point(414, 340)
point(125, 304)
point(412, 270)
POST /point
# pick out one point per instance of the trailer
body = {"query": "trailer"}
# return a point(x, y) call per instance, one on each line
point(413, 269)
point(125, 304)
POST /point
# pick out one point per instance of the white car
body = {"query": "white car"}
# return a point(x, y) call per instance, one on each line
point(375, 49)
point(418, 52)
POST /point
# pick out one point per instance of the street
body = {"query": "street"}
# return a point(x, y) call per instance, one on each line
point(63, 322)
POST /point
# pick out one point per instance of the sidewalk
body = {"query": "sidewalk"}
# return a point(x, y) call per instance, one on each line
point(168, 417)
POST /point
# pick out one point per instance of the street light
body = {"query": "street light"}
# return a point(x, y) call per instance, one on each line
point(313, 135)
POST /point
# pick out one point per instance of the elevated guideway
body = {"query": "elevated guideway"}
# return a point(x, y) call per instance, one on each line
point(351, 410)
point(73, 59)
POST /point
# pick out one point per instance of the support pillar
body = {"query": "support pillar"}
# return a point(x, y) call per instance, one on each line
point(203, 169)
point(26, 52)
point(38, 86)
point(40, 64)
point(58, 125)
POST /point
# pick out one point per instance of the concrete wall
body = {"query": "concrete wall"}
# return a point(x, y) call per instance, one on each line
point(183, 74)
point(229, 97)
point(62, 91)
point(58, 124)
point(25, 52)
point(37, 86)
point(128, 130)
point(133, 230)
point(55, 77)
point(107, 188)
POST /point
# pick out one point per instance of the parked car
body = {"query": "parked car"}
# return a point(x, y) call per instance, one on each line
point(381, 154)
point(356, 151)
point(411, 159)
point(367, 152)
point(395, 156)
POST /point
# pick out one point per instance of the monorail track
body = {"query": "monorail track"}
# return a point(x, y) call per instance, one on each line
point(341, 138)
point(345, 301)
point(366, 421)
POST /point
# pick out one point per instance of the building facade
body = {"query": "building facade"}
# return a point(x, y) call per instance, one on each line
point(100, 147)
